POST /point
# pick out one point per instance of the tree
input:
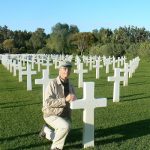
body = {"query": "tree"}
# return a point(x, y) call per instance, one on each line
point(121, 36)
point(119, 50)
point(104, 35)
point(7, 34)
point(8, 44)
point(132, 51)
point(58, 38)
point(144, 50)
point(83, 41)
point(99, 49)
point(1, 37)
point(37, 40)
point(44, 50)
point(21, 37)
point(1, 49)
point(72, 30)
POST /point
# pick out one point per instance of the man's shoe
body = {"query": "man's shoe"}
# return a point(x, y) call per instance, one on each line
point(42, 134)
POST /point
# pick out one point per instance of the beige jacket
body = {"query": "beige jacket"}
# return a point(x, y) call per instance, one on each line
point(55, 102)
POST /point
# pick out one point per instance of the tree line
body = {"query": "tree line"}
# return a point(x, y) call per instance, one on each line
point(67, 39)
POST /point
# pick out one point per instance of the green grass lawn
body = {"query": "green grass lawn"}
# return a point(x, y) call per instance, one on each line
point(119, 126)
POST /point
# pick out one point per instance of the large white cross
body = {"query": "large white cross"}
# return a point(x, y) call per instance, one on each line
point(80, 72)
point(29, 73)
point(44, 81)
point(116, 78)
point(88, 104)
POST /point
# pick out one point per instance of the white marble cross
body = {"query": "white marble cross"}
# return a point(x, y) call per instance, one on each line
point(91, 63)
point(126, 72)
point(7, 62)
point(29, 73)
point(116, 78)
point(118, 62)
point(107, 63)
point(20, 69)
point(39, 64)
point(123, 60)
point(10, 65)
point(57, 64)
point(113, 62)
point(80, 72)
point(48, 64)
point(97, 66)
point(88, 104)
point(15, 67)
point(23, 59)
point(77, 61)
point(133, 64)
point(44, 81)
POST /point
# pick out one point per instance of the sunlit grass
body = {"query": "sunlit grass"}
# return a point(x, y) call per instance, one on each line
point(119, 126)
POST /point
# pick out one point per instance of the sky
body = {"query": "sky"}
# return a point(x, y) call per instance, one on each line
point(87, 15)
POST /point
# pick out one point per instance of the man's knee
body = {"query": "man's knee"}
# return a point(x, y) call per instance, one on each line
point(65, 128)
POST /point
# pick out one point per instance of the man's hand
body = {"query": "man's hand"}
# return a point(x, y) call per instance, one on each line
point(70, 97)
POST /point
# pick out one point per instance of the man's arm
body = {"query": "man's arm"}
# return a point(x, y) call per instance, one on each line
point(51, 99)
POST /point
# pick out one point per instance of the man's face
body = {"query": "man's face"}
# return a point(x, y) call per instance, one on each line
point(64, 72)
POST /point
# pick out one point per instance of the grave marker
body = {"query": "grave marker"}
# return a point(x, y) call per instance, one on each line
point(97, 66)
point(80, 72)
point(88, 104)
point(116, 78)
point(44, 81)
point(29, 73)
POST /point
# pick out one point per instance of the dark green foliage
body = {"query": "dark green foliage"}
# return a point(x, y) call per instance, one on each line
point(44, 50)
point(130, 41)
point(109, 49)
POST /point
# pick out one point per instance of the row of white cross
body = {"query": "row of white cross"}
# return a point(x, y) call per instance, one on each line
point(88, 103)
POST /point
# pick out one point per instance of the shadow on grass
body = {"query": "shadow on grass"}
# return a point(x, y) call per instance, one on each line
point(8, 89)
point(139, 83)
point(40, 143)
point(101, 85)
point(32, 146)
point(74, 139)
point(16, 102)
point(35, 88)
point(18, 136)
point(126, 96)
point(137, 98)
point(128, 131)
point(132, 98)
point(21, 105)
